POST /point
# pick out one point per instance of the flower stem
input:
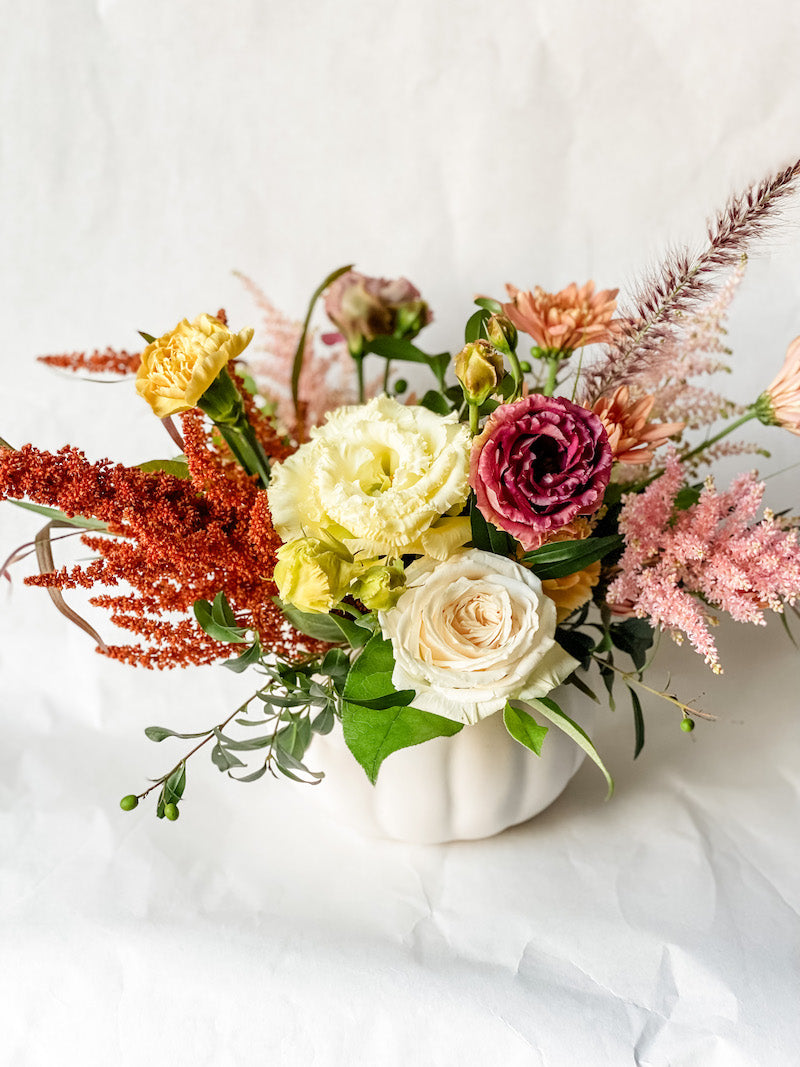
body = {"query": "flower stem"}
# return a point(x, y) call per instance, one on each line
point(552, 371)
point(220, 726)
point(632, 678)
point(360, 376)
point(516, 373)
point(473, 419)
point(748, 415)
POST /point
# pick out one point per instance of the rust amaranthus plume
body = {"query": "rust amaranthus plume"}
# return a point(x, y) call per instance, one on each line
point(683, 280)
point(171, 540)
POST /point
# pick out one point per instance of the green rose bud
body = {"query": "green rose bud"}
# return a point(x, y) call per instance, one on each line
point(379, 587)
point(479, 368)
point(171, 812)
point(502, 332)
point(313, 575)
point(129, 802)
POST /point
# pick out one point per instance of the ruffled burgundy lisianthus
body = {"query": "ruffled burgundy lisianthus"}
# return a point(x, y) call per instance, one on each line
point(537, 464)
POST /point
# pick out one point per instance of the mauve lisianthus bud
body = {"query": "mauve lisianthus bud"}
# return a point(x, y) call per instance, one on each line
point(364, 308)
point(537, 464)
point(502, 332)
point(479, 368)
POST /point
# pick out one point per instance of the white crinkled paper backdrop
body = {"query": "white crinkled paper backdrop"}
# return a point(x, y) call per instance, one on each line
point(146, 151)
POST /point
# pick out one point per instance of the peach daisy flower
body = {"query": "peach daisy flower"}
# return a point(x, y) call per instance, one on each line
point(781, 400)
point(566, 320)
point(632, 438)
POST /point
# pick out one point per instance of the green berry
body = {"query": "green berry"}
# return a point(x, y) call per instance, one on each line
point(400, 386)
point(129, 802)
point(171, 812)
point(687, 725)
point(525, 366)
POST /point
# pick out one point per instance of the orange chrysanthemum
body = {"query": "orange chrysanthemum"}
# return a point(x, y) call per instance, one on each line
point(566, 320)
point(632, 438)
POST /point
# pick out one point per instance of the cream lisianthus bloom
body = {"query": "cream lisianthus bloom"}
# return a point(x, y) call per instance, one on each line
point(177, 368)
point(472, 633)
point(379, 476)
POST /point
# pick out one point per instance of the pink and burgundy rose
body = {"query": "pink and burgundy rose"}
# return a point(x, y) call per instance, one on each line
point(537, 464)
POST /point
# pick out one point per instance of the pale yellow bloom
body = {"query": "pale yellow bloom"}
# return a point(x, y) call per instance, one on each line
point(177, 368)
point(379, 476)
point(572, 590)
point(311, 576)
point(380, 586)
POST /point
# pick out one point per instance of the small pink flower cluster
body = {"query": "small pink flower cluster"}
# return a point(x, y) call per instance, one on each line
point(711, 550)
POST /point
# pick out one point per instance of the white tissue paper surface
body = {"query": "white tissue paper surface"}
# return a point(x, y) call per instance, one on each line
point(148, 151)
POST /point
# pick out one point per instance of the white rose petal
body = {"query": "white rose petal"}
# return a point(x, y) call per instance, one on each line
point(473, 632)
point(376, 475)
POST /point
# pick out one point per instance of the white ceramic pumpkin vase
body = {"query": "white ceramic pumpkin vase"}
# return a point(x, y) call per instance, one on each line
point(474, 784)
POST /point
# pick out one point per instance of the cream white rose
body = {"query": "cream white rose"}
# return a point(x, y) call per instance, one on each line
point(473, 632)
point(379, 476)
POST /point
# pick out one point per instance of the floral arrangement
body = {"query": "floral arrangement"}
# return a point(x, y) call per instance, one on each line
point(401, 565)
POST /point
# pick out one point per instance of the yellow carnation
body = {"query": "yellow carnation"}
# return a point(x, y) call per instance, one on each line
point(378, 476)
point(177, 368)
point(572, 591)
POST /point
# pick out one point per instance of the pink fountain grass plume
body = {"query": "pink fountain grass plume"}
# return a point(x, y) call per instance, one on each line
point(715, 553)
point(660, 306)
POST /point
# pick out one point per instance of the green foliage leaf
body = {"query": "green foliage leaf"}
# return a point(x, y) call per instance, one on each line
point(178, 468)
point(148, 337)
point(634, 636)
point(576, 680)
point(561, 558)
point(686, 497)
point(323, 723)
point(217, 620)
point(159, 733)
point(54, 515)
point(175, 785)
point(494, 307)
point(638, 722)
point(370, 676)
point(292, 768)
point(250, 656)
point(395, 348)
point(222, 758)
point(580, 645)
point(474, 327)
point(487, 537)
point(553, 712)
point(436, 402)
point(333, 628)
point(373, 733)
point(524, 728)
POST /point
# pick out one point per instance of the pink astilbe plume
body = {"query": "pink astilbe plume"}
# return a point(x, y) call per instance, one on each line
point(677, 561)
point(698, 350)
point(326, 380)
